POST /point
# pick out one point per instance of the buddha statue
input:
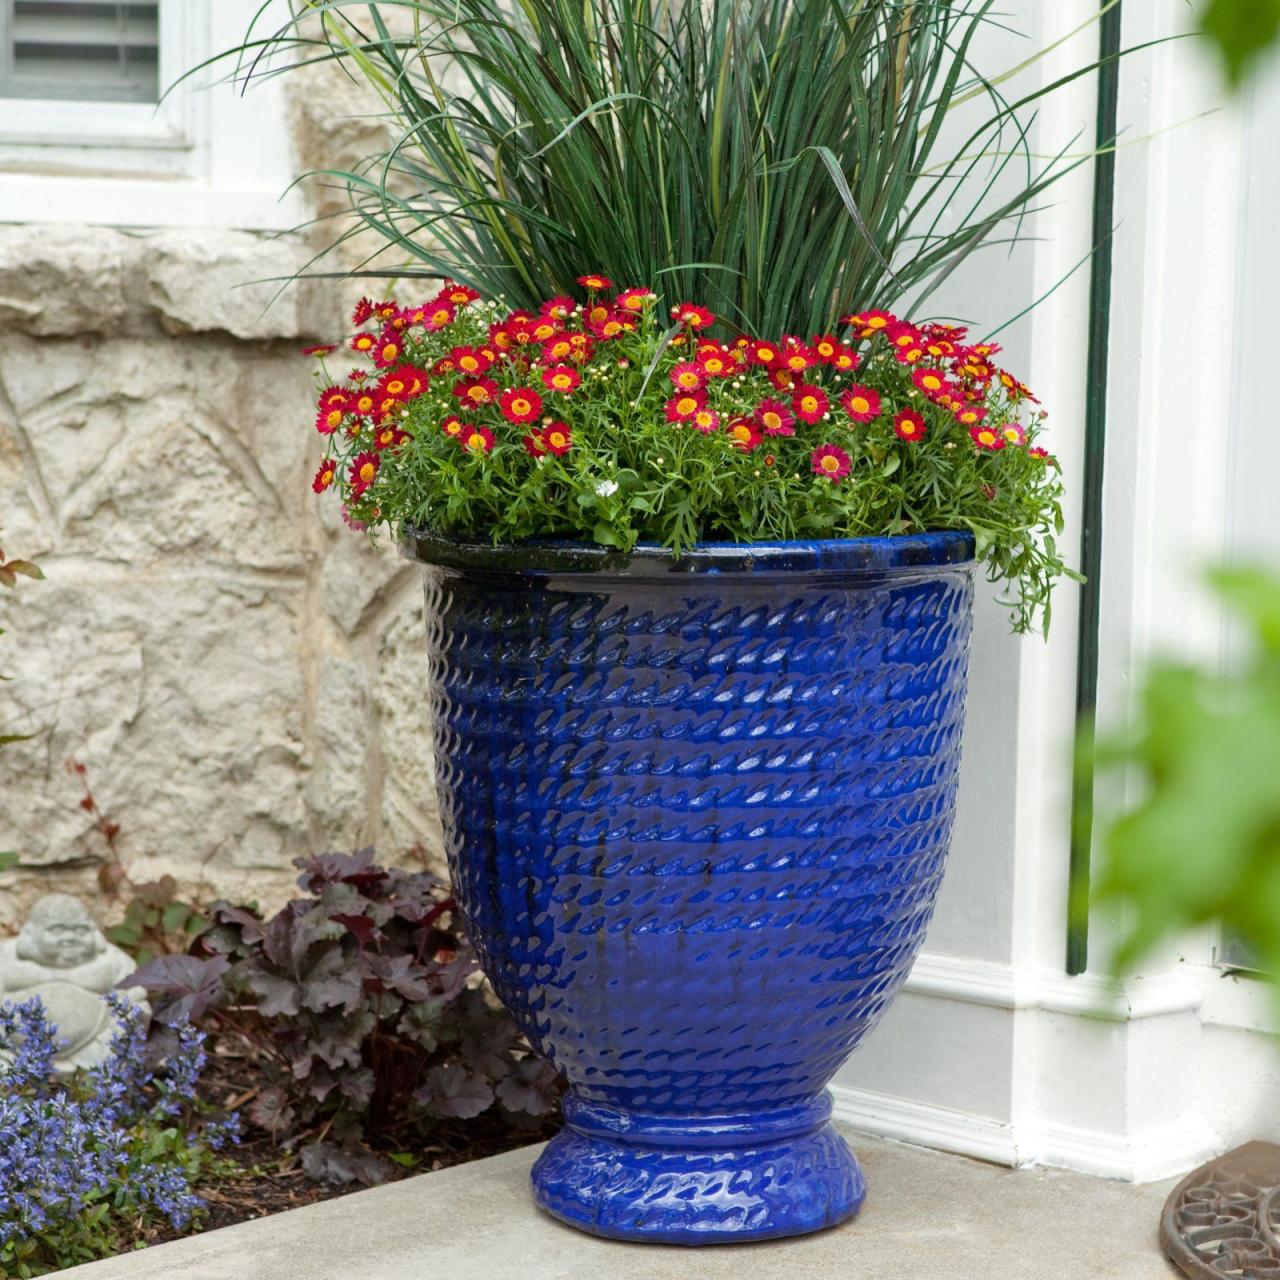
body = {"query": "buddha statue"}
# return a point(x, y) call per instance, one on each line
point(62, 956)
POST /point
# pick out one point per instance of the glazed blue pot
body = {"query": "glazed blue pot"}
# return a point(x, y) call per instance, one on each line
point(696, 814)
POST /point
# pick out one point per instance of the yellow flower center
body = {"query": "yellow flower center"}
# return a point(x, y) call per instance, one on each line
point(367, 472)
point(520, 406)
point(809, 404)
point(557, 439)
point(860, 404)
point(440, 317)
point(830, 463)
point(772, 420)
point(686, 404)
point(688, 379)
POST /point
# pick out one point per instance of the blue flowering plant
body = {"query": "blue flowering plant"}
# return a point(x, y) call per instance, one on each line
point(103, 1160)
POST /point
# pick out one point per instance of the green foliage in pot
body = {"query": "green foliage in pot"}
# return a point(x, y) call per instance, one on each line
point(594, 422)
point(1203, 842)
point(784, 161)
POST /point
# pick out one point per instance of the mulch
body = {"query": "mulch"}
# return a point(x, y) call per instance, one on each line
point(271, 1180)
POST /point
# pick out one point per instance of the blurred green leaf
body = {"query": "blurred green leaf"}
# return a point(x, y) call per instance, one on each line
point(8, 859)
point(1203, 844)
point(1242, 30)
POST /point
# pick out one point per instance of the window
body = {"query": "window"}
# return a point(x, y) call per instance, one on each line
point(94, 50)
point(97, 123)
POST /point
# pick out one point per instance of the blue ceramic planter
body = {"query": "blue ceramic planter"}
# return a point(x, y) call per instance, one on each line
point(697, 813)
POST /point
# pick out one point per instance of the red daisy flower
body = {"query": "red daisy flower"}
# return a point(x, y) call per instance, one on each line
point(825, 346)
point(987, 437)
point(775, 418)
point(363, 342)
point(363, 310)
point(388, 436)
point(386, 405)
point(845, 358)
point(385, 310)
point(717, 361)
point(470, 360)
point(595, 282)
point(404, 382)
point(362, 403)
point(809, 403)
point(744, 434)
point(476, 391)
point(329, 420)
point(691, 314)
point(797, 357)
point(1041, 455)
point(558, 308)
point(615, 323)
point(830, 461)
point(597, 313)
point(453, 426)
point(861, 403)
point(364, 471)
point(386, 351)
point(688, 376)
point(558, 349)
point(460, 295)
point(705, 420)
point(540, 330)
point(440, 313)
point(557, 438)
point(930, 381)
point(520, 404)
point(476, 439)
point(682, 407)
point(764, 353)
point(910, 425)
point(1014, 434)
point(563, 378)
point(869, 323)
point(969, 415)
point(320, 349)
point(634, 299)
point(534, 445)
point(326, 475)
point(331, 397)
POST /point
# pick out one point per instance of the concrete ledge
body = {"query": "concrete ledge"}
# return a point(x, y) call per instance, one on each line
point(927, 1215)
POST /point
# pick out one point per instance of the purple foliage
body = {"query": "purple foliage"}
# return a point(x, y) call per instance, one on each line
point(361, 998)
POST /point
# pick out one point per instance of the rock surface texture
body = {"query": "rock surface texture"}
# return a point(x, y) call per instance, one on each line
point(239, 673)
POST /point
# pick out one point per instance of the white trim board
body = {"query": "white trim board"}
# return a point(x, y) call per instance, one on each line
point(1002, 986)
point(1161, 1151)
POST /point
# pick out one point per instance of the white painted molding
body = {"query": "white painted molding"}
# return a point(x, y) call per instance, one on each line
point(925, 1125)
point(1161, 1151)
point(1002, 986)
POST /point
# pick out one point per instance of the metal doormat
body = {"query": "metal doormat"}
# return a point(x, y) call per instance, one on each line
point(1224, 1218)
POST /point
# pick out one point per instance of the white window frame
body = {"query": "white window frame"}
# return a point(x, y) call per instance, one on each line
point(208, 154)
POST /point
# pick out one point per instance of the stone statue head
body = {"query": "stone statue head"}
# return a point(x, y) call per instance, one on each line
point(60, 933)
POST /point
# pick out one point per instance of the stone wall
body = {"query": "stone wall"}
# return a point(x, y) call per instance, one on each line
point(239, 673)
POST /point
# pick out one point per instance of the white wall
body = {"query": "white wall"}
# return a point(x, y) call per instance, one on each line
point(993, 1050)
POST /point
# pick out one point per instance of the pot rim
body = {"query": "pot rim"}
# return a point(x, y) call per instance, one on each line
point(857, 556)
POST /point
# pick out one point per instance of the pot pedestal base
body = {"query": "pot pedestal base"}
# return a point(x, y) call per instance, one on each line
point(698, 1180)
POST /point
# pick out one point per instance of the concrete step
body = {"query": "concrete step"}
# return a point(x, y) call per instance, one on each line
point(927, 1217)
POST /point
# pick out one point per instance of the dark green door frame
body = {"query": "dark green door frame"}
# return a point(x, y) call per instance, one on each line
point(1095, 437)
